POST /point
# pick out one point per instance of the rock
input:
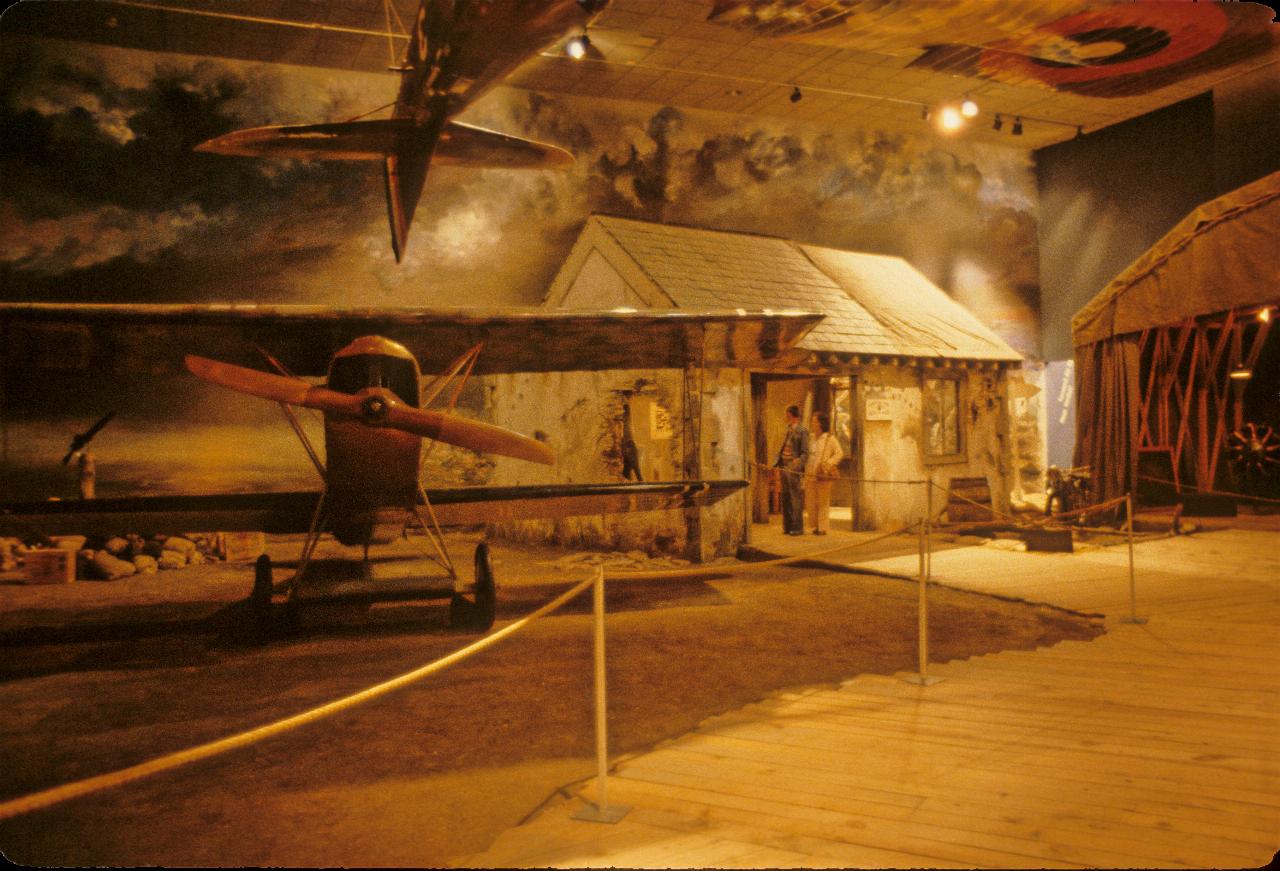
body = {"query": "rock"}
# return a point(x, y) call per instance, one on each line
point(136, 545)
point(145, 565)
point(172, 559)
point(196, 558)
point(116, 546)
point(154, 547)
point(109, 568)
point(181, 545)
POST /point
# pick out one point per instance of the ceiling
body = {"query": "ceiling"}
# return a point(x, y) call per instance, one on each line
point(867, 64)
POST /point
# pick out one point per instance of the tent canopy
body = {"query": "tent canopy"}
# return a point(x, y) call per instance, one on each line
point(1221, 256)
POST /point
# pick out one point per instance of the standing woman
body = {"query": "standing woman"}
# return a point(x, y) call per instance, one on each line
point(821, 472)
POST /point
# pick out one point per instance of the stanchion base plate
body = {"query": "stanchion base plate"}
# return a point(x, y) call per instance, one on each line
point(923, 680)
point(1138, 620)
point(592, 814)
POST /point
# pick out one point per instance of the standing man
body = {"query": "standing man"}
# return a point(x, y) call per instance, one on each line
point(791, 461)
point(825, 454)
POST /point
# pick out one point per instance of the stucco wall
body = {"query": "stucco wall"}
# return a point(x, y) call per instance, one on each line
point(892, 447)
point(580, 413)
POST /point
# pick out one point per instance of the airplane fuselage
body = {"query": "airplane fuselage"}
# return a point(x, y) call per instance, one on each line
point(372, 472)
point(459, 49)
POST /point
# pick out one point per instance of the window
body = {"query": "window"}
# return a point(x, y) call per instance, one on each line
point(943, 439)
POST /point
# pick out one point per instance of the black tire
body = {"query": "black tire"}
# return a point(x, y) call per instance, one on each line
point(477, 615)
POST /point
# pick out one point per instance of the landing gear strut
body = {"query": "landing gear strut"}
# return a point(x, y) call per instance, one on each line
point(477, 615)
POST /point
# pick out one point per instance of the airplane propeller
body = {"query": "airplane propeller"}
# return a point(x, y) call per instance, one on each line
point(375, 407)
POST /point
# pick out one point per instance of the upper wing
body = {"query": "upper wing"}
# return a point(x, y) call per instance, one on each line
point(155, 338)
point(291, 513)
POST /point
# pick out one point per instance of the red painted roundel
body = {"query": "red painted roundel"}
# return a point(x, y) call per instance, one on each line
point(1108, 42)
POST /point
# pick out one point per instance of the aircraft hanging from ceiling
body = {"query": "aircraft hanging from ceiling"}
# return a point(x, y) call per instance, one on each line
point(376, 416)
point(452, 52)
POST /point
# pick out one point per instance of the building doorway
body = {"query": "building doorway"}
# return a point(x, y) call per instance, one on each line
point(771, 395)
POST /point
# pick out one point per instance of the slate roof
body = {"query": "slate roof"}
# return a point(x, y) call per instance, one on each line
point(873, 304)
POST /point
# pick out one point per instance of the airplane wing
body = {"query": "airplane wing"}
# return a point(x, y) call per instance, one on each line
point(291, 513)
point(154, 339)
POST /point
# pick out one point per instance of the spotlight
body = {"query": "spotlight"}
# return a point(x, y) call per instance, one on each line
point(577, 47)
point(950, 118)
point(1240, 373)
point(1264, 315)
point(998, 123)
point(969, 108)
point(1017, 126)
point(795, 94)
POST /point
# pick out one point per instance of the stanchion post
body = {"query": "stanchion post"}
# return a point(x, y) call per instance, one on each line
point(922, 678)
point(601, 811)
point(1133, 583)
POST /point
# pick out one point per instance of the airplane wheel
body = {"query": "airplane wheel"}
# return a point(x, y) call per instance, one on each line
point(476, 616)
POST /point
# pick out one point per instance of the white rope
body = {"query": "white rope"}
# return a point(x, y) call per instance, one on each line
point(57, 794)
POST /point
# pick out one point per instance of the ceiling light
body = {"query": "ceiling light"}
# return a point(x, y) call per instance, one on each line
point(949, 118)
point(795, 94)
point(969, 108)
point(1264, 315)
point(998, 123)
point(1241, 373)
point(1017, 126)
point(577, 47)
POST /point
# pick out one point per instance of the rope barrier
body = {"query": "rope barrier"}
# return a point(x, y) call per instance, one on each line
point(749, 567)
point(1210, 490)
point(75, 789)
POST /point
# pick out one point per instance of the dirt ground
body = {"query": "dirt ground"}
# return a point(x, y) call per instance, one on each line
point(95, 677)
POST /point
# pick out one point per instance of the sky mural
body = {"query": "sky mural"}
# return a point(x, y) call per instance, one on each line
point(105, 201)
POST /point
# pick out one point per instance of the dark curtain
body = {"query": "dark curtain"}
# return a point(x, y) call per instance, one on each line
point(1107, 414)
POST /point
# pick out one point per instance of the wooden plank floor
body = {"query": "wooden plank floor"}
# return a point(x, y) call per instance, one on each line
point(1153, 745)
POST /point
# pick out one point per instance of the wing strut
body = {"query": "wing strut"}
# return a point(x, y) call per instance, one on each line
point(433, 532)
point(293, 418)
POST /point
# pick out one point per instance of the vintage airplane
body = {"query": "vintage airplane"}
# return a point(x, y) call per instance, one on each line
point(373, 443)
point(376, 414)
point(458, 50)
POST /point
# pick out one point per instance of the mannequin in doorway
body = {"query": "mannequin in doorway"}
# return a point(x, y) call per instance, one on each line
point(821, 471)
point(791, 462)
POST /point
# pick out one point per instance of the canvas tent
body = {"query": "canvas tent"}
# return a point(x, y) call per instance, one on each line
point(1153, 350)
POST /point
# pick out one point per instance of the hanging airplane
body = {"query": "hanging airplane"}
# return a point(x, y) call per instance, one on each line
point(458, 50)
point(376, 410)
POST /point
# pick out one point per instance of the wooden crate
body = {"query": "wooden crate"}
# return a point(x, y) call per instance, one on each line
point(962, 493)
point(53, 566)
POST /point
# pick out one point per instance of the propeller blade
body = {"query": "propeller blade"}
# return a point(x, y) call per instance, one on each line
point(466, 433)
point(378, 408)
point(251, 381)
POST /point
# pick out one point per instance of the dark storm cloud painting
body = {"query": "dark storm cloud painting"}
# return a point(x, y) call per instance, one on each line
point(104, 200)
point(107, 201)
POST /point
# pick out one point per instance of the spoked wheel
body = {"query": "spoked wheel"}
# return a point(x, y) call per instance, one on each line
point(477, 615)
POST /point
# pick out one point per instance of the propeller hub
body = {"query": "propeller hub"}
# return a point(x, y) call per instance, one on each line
point(374, 409)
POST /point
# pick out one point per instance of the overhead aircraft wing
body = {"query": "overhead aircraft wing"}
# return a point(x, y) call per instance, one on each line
point(155, 338)
point(290, 513)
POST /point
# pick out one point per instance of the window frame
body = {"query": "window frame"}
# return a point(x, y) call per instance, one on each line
point(961, 454)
